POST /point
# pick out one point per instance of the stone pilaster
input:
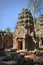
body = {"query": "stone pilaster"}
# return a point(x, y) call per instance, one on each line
point(23, 44)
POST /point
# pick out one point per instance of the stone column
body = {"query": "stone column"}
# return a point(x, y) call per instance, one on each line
point(40, 42)
point(23, 44)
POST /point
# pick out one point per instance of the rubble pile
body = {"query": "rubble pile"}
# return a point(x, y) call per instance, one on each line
point(14, 58)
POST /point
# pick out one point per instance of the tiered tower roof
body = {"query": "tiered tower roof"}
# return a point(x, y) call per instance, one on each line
point(25, 20)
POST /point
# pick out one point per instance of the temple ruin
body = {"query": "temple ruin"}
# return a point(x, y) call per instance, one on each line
point(23, 38)
point(39, 32)
point(26, 36)
point(6, 40)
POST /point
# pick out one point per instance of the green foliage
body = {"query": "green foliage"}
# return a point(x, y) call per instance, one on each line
point(7, 30)
point(1, 31)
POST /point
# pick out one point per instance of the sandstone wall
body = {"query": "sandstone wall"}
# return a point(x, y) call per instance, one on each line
point(6, 40)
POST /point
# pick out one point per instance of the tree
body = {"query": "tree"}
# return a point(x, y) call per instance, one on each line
point(36, 7)
point(7, 30)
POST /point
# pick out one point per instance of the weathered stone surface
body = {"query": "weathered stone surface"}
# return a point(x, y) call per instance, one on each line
point(24, 31)
point(25, 36)
point(6, 40)
point(39, 32)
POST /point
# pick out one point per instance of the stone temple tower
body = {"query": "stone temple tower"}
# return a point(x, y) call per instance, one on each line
point(24, 31)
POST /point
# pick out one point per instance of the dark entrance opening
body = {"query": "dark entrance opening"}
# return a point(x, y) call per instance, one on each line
point(42, 41)
point(20, 45)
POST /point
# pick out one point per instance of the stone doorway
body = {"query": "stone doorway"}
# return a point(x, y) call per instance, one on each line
point(42, 41)
point(20, 45)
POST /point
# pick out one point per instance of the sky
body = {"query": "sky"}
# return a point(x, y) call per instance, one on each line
point(9, 12)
